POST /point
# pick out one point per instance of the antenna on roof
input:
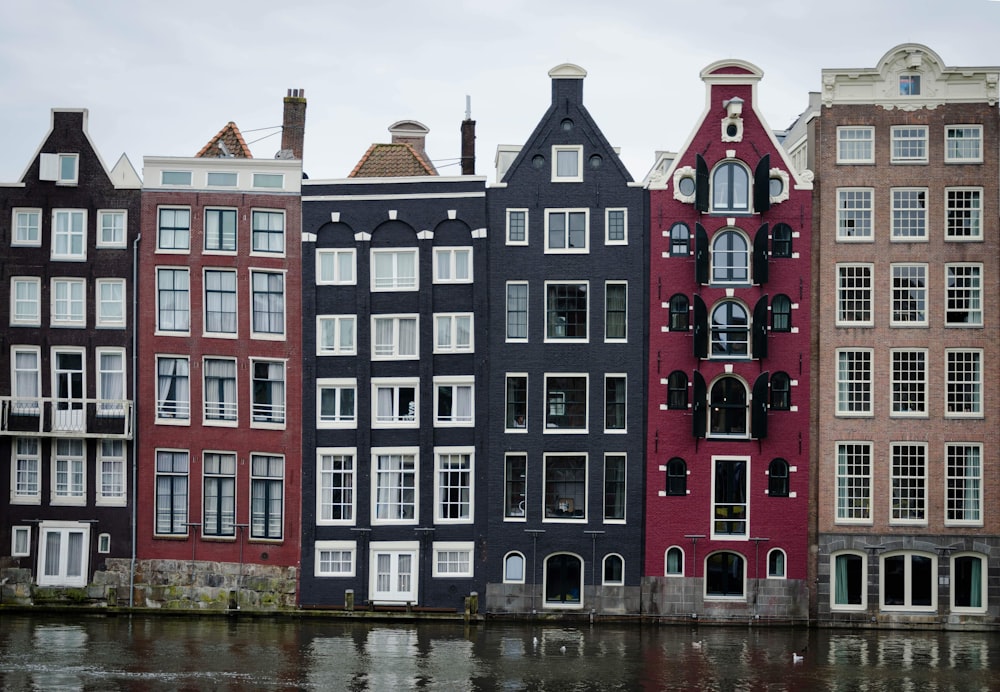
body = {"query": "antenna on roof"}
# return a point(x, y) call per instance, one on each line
point(468, 107)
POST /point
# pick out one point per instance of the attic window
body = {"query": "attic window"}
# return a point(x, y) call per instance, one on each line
point(268, 180)
point(567, 124)
point(566, 164)
point(222, 179)
point(62, 168)
point(909, 85)
point(175, 178)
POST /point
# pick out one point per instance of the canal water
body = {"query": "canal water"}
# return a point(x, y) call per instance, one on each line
point(47, 652)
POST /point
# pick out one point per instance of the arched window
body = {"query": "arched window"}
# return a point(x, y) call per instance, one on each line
point(677, 390)
point(776, 564)
point(730, 187)
point(679, 313)
point(777, 478)
point(614, 570)
point(848, 585)
point(680, 240)
point(513, 568)
point(730, 330)
point(674, 562)
point(730, 258)
point(781, 240)
point(677, 475)
point(968, 585)
point(724, 575)
point(563, 581)
point(781, 392)
point(728, 407)
point(781, 313)
point(908, 580)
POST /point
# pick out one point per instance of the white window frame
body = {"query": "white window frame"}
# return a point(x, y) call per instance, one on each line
point(784, 564)
point(446, 261)
point(973, 395)
point(969, 484)
point(550, 411)
point(219, 467)
point(268, 180)
point(454, 383)
point(908, 579)
point(220, 294)
point(111, 402)
point(841, 607)
point(616, 339)
point(904, 212)
point(552, 338)
point(74, 491)
point(271, 335)
point(949, 138)
point(175, 178)
point(27, 403)
point(394, 550)
point(17, 456)
point(62, 578)
point(842, 141)
point(852, 271)
point(904, 135)
point(442, 550)
point(70, 416)
point(173, 248)
point(607, 226)
point(102, 320)
point(35, 319)
point(324, 484)
point(393, 493)
point(393, 351)
point(571, 519)
point(604, 565)
point(54, 167)
point(104, 543)
point(77, 297)
point(331, 258)
point(565, 249)
point(181, 513)
point(227, 413)
point(270, 414)
point(106, 221)
point(973, 275)
point(507, 579)
point(855, 204)
point(338, 322)
point(666, 561)
point(219, 214)
point(507, 337)
point(174, 271)
point(511, 487)
point(338, 385)
point(20, 541)
point(510, 241)
point(222, 179)
point(907, 383)
point(604, 493)
point(71, 235)
point(395, 384)
point(604, 424)
point(983, 583)
point(467, 468)
point(747, 496)
point(898, 294)
point(507, 402)
point(904, 487)
point(558, 177)
point(181, 408)
point(395, 282)
point(847, 403)
point(447, 323)
point(349, 548)
point(118, 461)
point(269, 479)
point(973, 210)
point(24, 233)
point(268, 232)
point(859, 482)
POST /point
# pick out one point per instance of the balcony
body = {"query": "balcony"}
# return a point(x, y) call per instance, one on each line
point(52, 417)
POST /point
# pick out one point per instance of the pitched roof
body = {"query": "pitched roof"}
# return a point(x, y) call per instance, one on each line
point(228, 143)
point(391, 161)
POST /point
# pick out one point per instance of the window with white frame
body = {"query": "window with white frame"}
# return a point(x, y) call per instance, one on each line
point(452, 559)
point(909, 144)
point(517, 226)
point(336, 477)
point(25, 362)
point(267, 487)
point(335, 335)
point(104, 543)
point(68, 387)
point(394, 403)
point(26, 482)
point(394, 270)
point(452, 265)
point(173, 389)
point(267, 392)
point(515, 486)
point(219, 494)
point(614, 488)
point(730, 330)
point(854, 214)
point(111, 488)
point(173, 300)
point(964, 383)
point(855, 145)
point(268, 231)
point(730, 258)
point(908, 480)
point(172, 467)
point(566, 164)
point(854, 295)
point(848, 581)
point(63, 553)
point(680, 240)
point(68, 301)
point(335, 558)
point(963, 295)
point(175, 178)
point(453, 489)
point(566, 313)
point(616, 311)
point(111, 382)
point(395, 337)
point(909, 85)
point(27, 227)
point(963, 213)
point(393, 571)
point(454, 401)
point(268, 303)
point(517, 311)
point(20, 541)
point(69, 234)
point(221, 179)
point(565, 487)
point(220, 391)
point(616, 226)
point(909, 382)
point(908, 581)
point(111, 303)
point(730, 187)
point(776, 564)
point(453, 332)
point(909, 295)
point(516, 403)
point(336, 266)
point(220, 302)
point(566, 403)
point(963, 143)
point(513, 568)
point(909, 213)
point(220, 230)
point(69, 472)
point(394, 490)
point(964, 483)
point(673, 562)
point(567, 230)
point(25, 301)
point(854, 382)
point(64, 169)
point(173, 229)
point(337, 402)
point(969, 590)
point(615, 402)
point(854, 482)
point(111, 228)
point(728, 408)
point(731, 498)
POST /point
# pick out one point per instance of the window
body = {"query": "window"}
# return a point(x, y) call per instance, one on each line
point(776, 564)
point(453, 265)
point(26, 483)
point(908, 478)
point(680, 239)
point(963, 143)
point(565, 486)
point(781, 313)
point(848, 581)
point(63, 553)
point(968, 587)
point(220, 390)
point(963, 485)
point(175, 178)
point(393, 571)
point(730, 331)
point(221, 179)
point(395, 403)
point(909, 85)
point(565, 403)
point(173, 393)
point(909, 144)
point(395, 337)
point(854, 382)
point(567, 230)
point(963, 383)
point(220, 302)
point(220, 230)
point(337, 403)
point(111, 227)
point(20, 541)
point(615, 224)
point(616, 311)
point(267, 483)
point(730, 504)
point(855, 145)
point(268, 231)
point(111, 303)
point(724, 573)
point(394, 270)
point(566, 311)
point(268, 303)
point(781, 240)
point(517, 311)
point(453, 493)
point(909, 382)
point(335, 558)
point(677, 390)
point(219, 494)
point(515, 486)
point(679, 317)
point(69, 303)
point(68, 389)
point(614, 403)
point(781, 392)
point(516, 403)
point(394, 490)
point(854, 214)
point(268, 392)
point(453, 333)
point(171, 492)
point(69, 234)
point(454, 401)
point(336, 267)
point(963, 213)
point(908, 581)
point(27, 227)
point(25, 300)
point(730, 188)
point(676, 477)
point(854, 295)
point(909, 214)
point(335, 335)
point(728, 408)
point(730, 258)
point(27, 379)
point(517, 226)
point(174, 229)
point(614, 487)
point(566, 164)
point(963, 295)
point(854, 482)
point(513, 568)
point(271, 180)
point(452, 559)
point(336, 478)
point(614, 570)
point(111, 382)
point(674, 562)
point(173, 300)
point(909, 295)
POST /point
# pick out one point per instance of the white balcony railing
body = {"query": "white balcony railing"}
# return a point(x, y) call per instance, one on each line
point(54, 417)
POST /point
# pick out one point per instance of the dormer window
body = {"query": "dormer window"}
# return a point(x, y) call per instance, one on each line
point(566, 164)
point(730, 188)
point(909, 85)
point(64, 169)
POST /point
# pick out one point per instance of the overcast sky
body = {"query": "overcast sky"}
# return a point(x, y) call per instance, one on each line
point(161, 78)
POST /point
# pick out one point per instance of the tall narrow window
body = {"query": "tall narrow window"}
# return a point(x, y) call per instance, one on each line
point(27, 384)
point(454, 487)
point(268, 391)
point(614, 402)
point(730, 188)
point(111, 228)
point(854, 382)
point(26, 300)
point(963, 484)
point(220, 230)
point(848, 582)
point(730, 505)
point(615, 224)
point(781, 392)
point(336, 487)
point(615, 311)
point(173, 298)
point(171, 492)
point(854, 295)
point(777, 478)
point(676, 477)
point(679, 317)
point(395, 490)
point(964, 383)
point(614, 487)
point(730, 258)
point(268, 303)
point(781, 313)
point(909, 382)
point(69, 234)
point(27, 470)
point(517, 312)
point(963, 297)
point(854, 479)
point(111, 382)
point(909, 214)
point(680, 240)
point(781, 240)
point(219, 501)
point(909, 483)
point(111, 303)
point(220, 390)
point(517, 226)
point(267, 481)
point(963, 213)
point(854, 214)
point(173, 231)
point(68, 302)
point(220, 301)
point(515, 486)
point(677, 390)
point(173, 394)
point(730, 331)
point(909, 295)
point(517, 402)
point(728, 407)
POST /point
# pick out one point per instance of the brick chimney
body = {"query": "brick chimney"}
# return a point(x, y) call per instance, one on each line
point(468, 140)
point(293, 124)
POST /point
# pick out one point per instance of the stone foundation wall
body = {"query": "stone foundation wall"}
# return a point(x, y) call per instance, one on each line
point(511, 599)
point(766, 599)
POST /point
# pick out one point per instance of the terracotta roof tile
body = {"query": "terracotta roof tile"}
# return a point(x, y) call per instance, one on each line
point(391, 161)
point(233, 145)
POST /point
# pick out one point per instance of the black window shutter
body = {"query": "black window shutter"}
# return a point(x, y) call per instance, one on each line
point(699, 396)
point(760, 328)
point(700, 328)
point(762, 185)
point(760, 255)
point(700, 254)
point(701, 184)
point(758, 408)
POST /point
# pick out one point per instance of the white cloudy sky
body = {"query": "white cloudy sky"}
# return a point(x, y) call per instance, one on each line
point(160, 78)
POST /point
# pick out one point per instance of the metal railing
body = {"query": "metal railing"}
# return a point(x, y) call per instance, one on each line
point(57, 417)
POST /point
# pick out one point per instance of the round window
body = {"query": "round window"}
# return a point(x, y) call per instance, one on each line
point(732, 130)
point(776, 186)
point(567, 124)
point(686, 186)
point(538, 161)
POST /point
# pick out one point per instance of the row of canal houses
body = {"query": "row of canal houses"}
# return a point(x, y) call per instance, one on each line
point(749, 387)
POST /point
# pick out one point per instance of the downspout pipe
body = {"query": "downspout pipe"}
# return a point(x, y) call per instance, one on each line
point(135, 429)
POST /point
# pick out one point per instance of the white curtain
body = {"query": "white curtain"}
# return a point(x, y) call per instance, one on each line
point(384, 331)
point(172, 388)
point(463, 329)
point(220, 389)
point(112, 383)
point(407, 337)
point(406, 269)
point(26, 379)
point(463, 403)
point(444, 332)
point(462, 264)
point(384, 408)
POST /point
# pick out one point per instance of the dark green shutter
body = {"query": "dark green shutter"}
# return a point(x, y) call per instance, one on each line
point(762, 185)
point(701, 184)
point(700, 328)
point(699, 395)
point(759, 330)
point(758, 408)
point(701, 256)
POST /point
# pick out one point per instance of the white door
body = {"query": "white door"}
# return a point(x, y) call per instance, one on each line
point(394, 576)
point(68, 390)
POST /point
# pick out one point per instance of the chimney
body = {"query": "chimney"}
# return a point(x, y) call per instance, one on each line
point(567, 84)
point(468, 140)
point(413, 133)
point(293, 124)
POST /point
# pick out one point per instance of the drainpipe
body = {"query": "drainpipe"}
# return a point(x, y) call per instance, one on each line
point(135, 433)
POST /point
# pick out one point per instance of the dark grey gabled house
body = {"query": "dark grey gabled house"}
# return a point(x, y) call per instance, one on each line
point(567, 368)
